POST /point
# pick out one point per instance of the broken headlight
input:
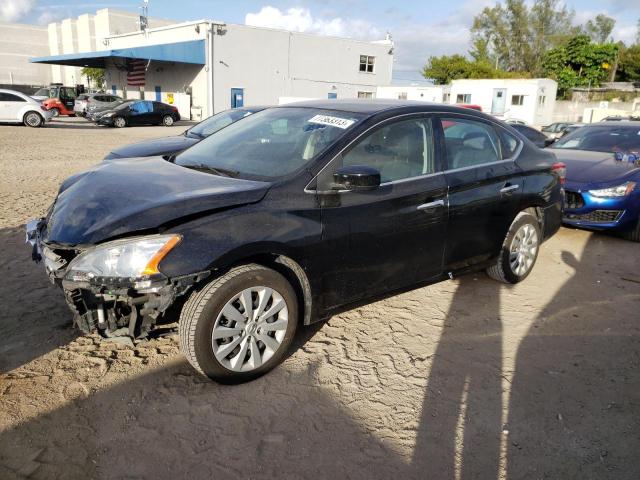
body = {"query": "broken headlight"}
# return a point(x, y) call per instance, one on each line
point(131, 259)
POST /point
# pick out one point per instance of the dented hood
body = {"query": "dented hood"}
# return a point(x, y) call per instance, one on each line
point(124, 196)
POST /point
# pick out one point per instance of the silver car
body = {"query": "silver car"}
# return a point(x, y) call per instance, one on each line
point(88, 102)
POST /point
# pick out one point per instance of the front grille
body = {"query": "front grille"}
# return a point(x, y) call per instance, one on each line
point(573, 200)
point(597, 216)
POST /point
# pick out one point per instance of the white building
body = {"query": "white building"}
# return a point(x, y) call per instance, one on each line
point(20, 42)
point(412, 91)
point(531, 100)
point(205, 67)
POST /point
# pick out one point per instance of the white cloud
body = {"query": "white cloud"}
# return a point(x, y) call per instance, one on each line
point(14, 10)
point(299, 19)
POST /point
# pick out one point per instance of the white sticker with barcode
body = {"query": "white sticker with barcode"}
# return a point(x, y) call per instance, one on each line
point(338, 122)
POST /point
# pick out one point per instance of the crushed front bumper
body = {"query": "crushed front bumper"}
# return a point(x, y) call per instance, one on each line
point(108, 306)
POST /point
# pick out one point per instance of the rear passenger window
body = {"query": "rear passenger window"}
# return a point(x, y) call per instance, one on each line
point(469, 143)
point(398, 150)
point(509, 144)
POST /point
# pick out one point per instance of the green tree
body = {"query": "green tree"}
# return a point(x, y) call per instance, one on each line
point(629, 64)
point(579, 63)
point(94, 75)
point(517, 36)
point(446, 68)
point(600, 28)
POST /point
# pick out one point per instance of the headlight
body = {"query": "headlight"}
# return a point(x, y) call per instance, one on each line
point(123, 259)
point(613, 192)
point(108, 114)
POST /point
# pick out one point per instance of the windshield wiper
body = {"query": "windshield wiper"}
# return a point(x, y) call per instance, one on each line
point(224, 172)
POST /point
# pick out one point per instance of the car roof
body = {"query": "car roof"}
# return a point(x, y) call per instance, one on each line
point(373, 106)
point(621, 123)
point(15, 92)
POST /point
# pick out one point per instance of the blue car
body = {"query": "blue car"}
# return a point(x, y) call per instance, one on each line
point(602, 190)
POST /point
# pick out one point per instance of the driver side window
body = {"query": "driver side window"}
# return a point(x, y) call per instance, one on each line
point(397, 150)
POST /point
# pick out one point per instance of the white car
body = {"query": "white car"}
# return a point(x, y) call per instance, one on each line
point(16, 107)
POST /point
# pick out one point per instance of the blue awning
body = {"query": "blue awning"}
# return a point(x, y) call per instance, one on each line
point(192, 52)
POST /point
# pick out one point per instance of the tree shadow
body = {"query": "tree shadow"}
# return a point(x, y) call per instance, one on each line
point(460, 426)
point(575, 399)
point(34, 318)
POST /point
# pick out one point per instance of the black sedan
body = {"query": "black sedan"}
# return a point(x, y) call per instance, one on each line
point(538, 138)
point(139, 112)
point(291, 215)
point(178, 143)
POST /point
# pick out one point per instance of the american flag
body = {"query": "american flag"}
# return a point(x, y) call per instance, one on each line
point(136, 73)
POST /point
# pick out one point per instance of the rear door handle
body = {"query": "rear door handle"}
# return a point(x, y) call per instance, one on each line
point(431, 205)
point(509, 189)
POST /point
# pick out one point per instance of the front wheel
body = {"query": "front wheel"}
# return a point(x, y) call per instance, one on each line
point(240, 325)
point(119, 122)
point(519, 251)
point(55, 112)
point(167, 120)
point(33, 119)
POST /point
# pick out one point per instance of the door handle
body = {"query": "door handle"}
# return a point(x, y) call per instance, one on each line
point(431, 205)
point(509, 189)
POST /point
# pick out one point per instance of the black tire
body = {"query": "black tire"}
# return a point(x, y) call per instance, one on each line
point(55, 111)
point(202, 309)
point(33, 119)
point(168, 121)
point(503, 270)
point(634, 233)
point(119, 122)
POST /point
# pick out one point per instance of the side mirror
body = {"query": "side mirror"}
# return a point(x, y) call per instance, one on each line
point(356, 177)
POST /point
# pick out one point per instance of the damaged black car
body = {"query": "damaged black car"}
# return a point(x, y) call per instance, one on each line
point(290, 216)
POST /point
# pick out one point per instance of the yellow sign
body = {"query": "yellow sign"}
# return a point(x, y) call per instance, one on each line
point(170, 98)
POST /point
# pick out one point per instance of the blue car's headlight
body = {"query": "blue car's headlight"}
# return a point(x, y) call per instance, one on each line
point(614, 192)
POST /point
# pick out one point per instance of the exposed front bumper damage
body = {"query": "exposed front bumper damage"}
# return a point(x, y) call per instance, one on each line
point(110, 307)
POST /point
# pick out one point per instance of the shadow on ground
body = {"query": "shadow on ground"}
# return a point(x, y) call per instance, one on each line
point(573, 412)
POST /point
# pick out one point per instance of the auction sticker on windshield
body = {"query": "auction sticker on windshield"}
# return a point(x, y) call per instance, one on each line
point(342, 123)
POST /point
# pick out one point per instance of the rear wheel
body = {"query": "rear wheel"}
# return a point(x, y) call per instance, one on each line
point(55, 112)
point(519, 251)
point(167, 120)
point(240, 325)
point(119, 122)
point(33, 119)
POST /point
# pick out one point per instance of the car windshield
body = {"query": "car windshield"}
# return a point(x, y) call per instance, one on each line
point(123, 105)
point(269, 144)
point(217, 122)
point(604, 138)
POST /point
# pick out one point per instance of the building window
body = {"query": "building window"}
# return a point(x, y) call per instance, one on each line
point(446, 97)
point(517, 99)
point(366, 63)
point(365, 94)
point(463, 98)
point(542, 100)
point(402, 96)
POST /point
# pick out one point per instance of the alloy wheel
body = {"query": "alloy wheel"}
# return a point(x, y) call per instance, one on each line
point(168, 121)
point(250, 329)
point(33, 120)
point(523, 249)
point(119, 122)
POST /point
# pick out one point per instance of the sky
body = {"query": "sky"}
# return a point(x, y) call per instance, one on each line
point(419, 28)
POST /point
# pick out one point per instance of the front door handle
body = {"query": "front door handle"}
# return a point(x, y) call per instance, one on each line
point(431, 205)
point(509, 189)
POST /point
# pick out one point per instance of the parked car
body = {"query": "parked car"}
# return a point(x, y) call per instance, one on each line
point(603, 177)
point(139, 112)
point(87, 102)
point(95, 113)
point(538, 138)
point(619, 118)
point(570, 129)
point(555, 130)
point(191, 136)
point(16, 107)
point(515, 121)
point(291, 215)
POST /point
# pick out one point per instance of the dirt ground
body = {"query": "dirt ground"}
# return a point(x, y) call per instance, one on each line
point(464, 379)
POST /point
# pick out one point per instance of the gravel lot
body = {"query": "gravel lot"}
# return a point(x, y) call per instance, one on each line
point(464, 379)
